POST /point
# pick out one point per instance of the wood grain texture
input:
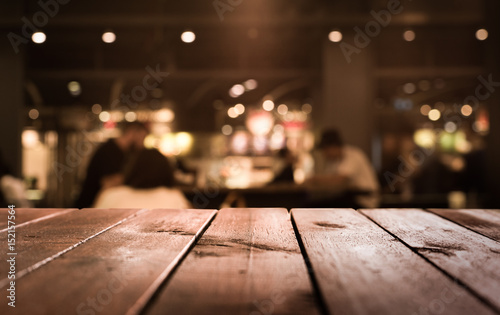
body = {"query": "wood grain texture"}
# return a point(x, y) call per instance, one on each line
point(485, 222)
point(361, 269)
point(463, 254)
point(40, 240)
point(109, 273)
point(25, 216)
point(247, 262)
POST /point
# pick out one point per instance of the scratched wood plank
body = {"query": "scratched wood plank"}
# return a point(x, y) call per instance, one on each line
point(41, 240)
point(463, 254)
point(247, 262)
point(25, 215)
point(361, 269)
point(485, 222)
point(110, 273)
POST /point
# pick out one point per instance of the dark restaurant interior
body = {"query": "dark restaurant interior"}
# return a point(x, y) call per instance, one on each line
point(250, 157)
point(228, 88)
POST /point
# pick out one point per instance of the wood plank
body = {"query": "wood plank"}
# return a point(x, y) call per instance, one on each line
point(109, 273)
point(485, 222)
point(361, 269)
point(26, 215)
point(37, 242)
point(247, 262)
point(463, 254)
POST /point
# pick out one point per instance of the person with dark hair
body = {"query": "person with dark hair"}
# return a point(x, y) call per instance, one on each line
point(148, 184)
point(106, 166)
point(344, 174)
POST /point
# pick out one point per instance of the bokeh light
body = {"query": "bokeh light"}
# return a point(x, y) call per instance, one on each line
point(231, 112)
point(425, 109)
point(38, 37)
point(74, 88)
point(335, 36)
point(188, 37)
point(409, 35)
point(227, 130)
point(108, 37)
point(481, 34)
point(239, 108)
point(130, 116)
point(33, 113)
point(466, 110)
point(434, 114)
point(96, 109)
point(282, 109)
point(104, 116)
point(268, 105)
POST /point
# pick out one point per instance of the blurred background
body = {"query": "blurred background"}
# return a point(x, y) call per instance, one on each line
point(225, 84)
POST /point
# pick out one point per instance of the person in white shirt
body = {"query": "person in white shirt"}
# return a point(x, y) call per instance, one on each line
point(343, 176)
point(147, 184)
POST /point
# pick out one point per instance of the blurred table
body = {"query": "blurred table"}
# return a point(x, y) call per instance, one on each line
point(286, 195)
point(252, 261)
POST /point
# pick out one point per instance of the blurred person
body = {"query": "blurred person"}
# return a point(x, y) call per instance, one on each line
point(148, 184)
point(12, 189)
point(288, 159)
point(344, 174)
point(106, 165)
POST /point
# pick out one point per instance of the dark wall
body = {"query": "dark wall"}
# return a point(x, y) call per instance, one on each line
point(11, 91)
point(493, 66)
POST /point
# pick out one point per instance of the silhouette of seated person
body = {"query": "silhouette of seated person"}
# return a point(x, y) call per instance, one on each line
point(148, 184)
point(285, 175)
point(343, 176)
point(106, 165)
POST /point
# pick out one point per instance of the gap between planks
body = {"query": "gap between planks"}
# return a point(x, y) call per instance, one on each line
point(45, 261)
point(48, 216)
point(149, 295)
point(472, 291)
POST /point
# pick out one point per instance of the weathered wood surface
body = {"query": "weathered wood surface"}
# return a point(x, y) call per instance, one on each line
point(37, 242)
point(25, 216)
point(115, 271)
point(247, 262)
point(361, 269)
point(461, 253)
point(131, 261)
point(485, 222)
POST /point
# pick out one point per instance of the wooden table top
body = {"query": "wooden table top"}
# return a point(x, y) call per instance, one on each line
point(251, 261)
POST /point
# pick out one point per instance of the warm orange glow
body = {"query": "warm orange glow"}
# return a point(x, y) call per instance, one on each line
point(481, 34)
point(165, 115)
point(425, 109)
point(335, 36)
point(466, 110)
point(409, 35)
point(260, 123)
point(239, 108)
point(231, 112)
point(33, 113)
